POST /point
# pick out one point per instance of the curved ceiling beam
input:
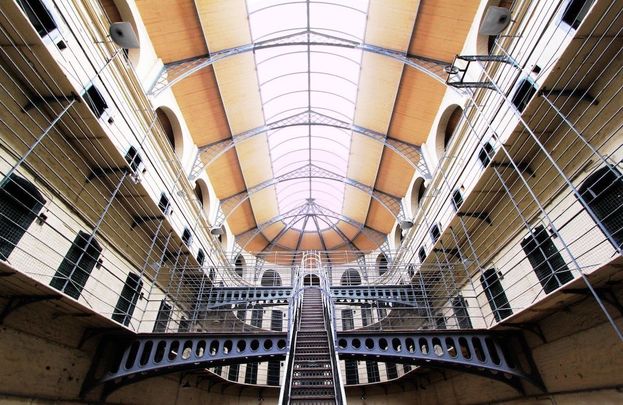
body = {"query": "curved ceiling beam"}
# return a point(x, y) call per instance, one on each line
point(174, 72)
point(391, 203)
point(373, 235)
point(208, 154)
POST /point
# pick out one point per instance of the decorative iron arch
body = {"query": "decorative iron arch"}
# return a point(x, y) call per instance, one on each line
point(391, 203)
point(208, 154)
point(177, 71)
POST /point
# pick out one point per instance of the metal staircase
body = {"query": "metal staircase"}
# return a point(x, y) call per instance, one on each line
point(312, 377)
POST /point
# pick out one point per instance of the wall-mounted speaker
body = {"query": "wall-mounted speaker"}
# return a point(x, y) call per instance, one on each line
point(123, 35)
point(496, 19)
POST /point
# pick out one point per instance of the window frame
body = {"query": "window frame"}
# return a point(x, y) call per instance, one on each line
point(500, 312)
point(88, 251)
point(125, 316)
point(545, 259)
point(485, 155)
point(42, 27)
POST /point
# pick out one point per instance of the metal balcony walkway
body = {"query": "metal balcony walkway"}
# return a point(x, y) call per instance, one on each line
point(312, 379)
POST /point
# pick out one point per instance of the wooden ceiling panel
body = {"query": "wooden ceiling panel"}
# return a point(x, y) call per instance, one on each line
point(364, 159)
point(441, 28)
point(356, 203)
point(332, 239)
point(289, 239)
point(200, 102)
point(270, 232)
point(310, 241)
point(242, 219)
point(397, 34)
point(257, 244)
point(174, 29)
point(417, 104)
point(240, 92)
point(254, 158)
point(395, 174)
point(225, 175)
point(264, 204)
point(380, 218)
point(225, 24)
point(364, 243)
point(347, 229)
point(378, 84)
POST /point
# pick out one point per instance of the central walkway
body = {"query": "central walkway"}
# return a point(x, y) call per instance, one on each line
point(312, 379)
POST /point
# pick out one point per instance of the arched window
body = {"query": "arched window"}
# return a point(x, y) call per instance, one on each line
point(603, 193)
point(271, 278)
point(76, 267)
point(381, 264)
point(448, 123)
point(239, 265)
point(398, 237)
point(417, 193)
point(171, 128)
point(20, 203)
point(350, 277)
point(203, 196)
point(451, 125)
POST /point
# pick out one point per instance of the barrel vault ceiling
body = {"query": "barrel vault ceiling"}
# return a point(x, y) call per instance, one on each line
point(320, 201)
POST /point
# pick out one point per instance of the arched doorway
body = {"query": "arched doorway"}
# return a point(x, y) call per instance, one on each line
point(311, 279)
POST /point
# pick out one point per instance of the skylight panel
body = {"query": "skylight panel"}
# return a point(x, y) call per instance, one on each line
point(331, 18)
point(295, 79)
point(273, 22)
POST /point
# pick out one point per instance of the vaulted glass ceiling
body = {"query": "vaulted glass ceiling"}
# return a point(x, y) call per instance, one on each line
point(299, 80)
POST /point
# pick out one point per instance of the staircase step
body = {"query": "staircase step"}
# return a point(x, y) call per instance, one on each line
point(312, 382)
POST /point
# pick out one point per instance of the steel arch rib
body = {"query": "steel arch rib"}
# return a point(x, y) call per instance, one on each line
point(391, 203)
point(412, 154)
point(433, 68)
point(297, 212)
